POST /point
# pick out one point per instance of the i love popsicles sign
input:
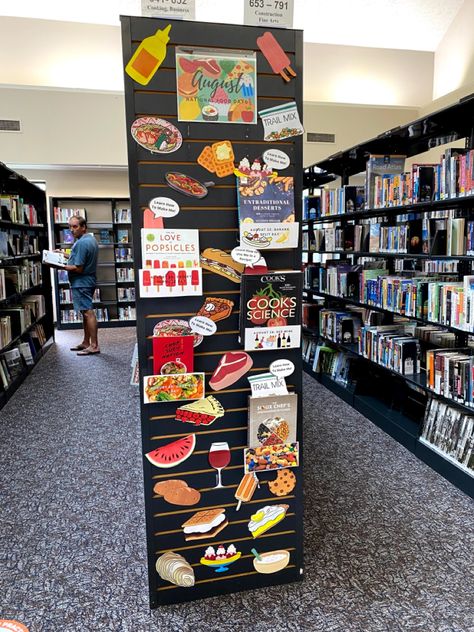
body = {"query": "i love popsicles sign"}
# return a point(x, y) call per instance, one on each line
point(171, 264)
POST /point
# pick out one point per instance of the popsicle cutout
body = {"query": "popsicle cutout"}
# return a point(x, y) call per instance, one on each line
point(148, 57)
point(246, 489)
point(276, 56)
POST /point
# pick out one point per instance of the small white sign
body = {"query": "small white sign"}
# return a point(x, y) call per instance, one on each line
point(164, 207)
point(281, 121)
point(266, 384)
point(246, 255)
point(203, 325)
point(273, 13)
point(276, 159)
point(282, 368)
point(175, 9)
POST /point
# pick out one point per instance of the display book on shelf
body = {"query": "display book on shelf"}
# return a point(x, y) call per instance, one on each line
point(232, 517)
point(109, 219)
point(390, 286)
point(26, 319)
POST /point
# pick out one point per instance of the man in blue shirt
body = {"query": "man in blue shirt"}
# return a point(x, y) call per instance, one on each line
point(82, 267)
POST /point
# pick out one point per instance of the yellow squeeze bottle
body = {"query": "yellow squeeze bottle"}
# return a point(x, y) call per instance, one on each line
point(148, 56)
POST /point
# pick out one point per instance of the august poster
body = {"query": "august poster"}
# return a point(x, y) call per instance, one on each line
point(216, 86)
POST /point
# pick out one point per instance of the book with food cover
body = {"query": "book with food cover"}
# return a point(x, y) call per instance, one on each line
point(270, 315)
point(272, 420)
point(266, 207)
point(173, 354)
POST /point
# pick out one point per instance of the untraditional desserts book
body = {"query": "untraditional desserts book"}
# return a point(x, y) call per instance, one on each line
point(270, 315)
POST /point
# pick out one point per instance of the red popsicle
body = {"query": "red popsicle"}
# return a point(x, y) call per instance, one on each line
point(195, 278)
point(275, 55)
point(146, 279)
point(170, 279)
point(157, 282)
point(182, 280)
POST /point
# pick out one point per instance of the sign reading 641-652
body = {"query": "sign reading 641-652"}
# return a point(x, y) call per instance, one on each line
point(185, 9)
point(272, 13)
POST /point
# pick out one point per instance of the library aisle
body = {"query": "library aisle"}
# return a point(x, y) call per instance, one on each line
point(389, 543)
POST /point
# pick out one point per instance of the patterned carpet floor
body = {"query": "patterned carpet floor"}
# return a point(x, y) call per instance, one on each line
point(389, 544)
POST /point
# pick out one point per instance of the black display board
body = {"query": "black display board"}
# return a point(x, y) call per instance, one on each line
point(216, 218)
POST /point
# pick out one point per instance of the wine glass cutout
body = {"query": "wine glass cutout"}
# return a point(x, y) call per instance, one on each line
point(219, 458)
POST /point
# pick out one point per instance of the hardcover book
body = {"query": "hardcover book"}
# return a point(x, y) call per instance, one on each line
point(270, 316)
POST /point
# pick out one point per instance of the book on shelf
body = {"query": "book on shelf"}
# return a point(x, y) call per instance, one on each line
point(122, 216)
point(380, 165)
point(63, 215)
point(451, 431)
point(14, 362)
point(105, 236)
point(66, 236)
point(270, 315)
point(122, 236)
point(3, 287)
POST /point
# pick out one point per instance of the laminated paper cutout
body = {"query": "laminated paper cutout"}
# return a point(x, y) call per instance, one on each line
point(148, 57)
point(232, 366)
point(205, 525)
point(221, 263)
point(219, 559)
point(266, 518)
point(203, 412)
point(218, 158)
point(186, 184)
point(276, 56)
point(246, 489)
point(177, 492)
point(156, 135)
point(283, 484)
point(281, 121)
point(216, 86)
point(176, 327)
point(271, 562)
point(174, 453)
point(173, 568)
point(173, 388)
point(271, 457)
point(216, 308)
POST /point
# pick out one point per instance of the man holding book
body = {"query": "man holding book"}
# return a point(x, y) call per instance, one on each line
point(82, 273)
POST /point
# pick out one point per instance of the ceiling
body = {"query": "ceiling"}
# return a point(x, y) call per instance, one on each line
point(417, 25)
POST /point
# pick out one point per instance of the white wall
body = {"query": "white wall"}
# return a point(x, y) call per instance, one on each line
point(80, 182)
point(454, 57)
point(351, 74)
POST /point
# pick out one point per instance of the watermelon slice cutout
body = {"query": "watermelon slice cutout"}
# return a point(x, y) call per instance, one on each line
point(174, 453)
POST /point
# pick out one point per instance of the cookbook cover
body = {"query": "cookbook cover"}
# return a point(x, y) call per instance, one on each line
point(173, 354)
point(270, 316)
point(272, 420)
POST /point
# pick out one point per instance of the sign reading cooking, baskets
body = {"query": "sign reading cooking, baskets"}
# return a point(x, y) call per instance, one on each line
point(216, 86)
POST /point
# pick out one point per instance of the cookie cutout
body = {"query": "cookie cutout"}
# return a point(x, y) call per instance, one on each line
point(283, 484)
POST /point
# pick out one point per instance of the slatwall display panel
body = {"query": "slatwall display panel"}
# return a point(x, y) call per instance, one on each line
point(216, 217)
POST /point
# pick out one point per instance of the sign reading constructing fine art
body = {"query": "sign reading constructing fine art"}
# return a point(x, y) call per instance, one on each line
point(216, 86)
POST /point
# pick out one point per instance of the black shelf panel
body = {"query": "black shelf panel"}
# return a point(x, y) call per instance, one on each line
point(395, 255)
point(418, 207)
point(435, 129)
point(447, 467)
point(7, 224)
point(105, 324)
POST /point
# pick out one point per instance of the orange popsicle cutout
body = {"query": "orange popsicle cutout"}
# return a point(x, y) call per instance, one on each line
point(275, 55)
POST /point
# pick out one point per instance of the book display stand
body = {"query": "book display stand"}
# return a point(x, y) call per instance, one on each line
point(222, 515)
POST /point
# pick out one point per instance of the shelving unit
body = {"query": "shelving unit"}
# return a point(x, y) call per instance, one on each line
point(109, 219)
point(26, 312)
point(393, 401)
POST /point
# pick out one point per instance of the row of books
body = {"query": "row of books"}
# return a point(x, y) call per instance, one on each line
point(125, 274)
point(14, 209)
point(14, 361)
point(125, 294)
point(392, 346)
point(63, 215)
point(15, 244)
point(71, 316)
point(124, 255)
point(450, 431)
point(5, 331)
point(449, 372)
point(388, 184)
point(339, 326)
point(427, 266)
point(20, 277)
point(346, 199)
point(20, 317)
point(127, 313)
point(323, 359)
point(65, 295)
point(122, 216)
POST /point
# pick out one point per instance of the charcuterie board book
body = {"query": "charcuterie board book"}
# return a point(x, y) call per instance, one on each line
point(221, 515)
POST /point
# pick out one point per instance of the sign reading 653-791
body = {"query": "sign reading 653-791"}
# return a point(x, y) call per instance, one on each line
point(272, 13)
point(185, 9)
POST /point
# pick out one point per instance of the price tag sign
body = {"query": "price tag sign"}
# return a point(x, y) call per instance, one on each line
point(173, 9)
point(271, 13)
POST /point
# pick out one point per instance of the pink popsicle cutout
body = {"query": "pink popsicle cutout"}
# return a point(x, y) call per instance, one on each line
point(275, 55)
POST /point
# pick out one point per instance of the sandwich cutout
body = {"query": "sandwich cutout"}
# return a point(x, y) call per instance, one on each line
point(221, 263)
point(232, 366)
point(204, 525)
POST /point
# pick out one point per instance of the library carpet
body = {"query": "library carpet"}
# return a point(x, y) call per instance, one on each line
point(389, 544)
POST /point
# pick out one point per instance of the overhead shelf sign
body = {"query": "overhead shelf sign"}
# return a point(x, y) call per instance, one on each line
point(175, 9)
point(271, 13)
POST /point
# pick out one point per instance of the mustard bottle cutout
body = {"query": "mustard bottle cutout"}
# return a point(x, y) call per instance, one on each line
point(148, 56)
